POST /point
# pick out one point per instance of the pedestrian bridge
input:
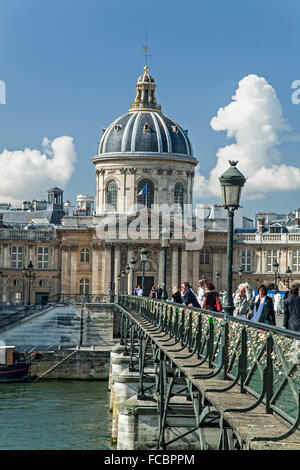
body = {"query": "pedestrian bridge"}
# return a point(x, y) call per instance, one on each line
point(203, 372)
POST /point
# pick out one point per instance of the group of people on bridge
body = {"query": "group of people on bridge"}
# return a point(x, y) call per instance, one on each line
point(261, 308)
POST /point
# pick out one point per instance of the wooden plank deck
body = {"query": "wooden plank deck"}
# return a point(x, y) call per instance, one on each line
point(247, 424)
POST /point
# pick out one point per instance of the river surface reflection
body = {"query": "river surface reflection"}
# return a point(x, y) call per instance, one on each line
point(64, 415)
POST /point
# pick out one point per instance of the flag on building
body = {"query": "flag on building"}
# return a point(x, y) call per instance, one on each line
point(143, 192)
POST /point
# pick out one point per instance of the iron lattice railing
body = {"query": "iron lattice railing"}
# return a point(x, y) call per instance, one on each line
point(262, 360)
point(80, 298)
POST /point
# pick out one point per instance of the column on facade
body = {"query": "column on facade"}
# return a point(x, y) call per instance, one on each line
point(97, 194)
point(188, 189)
point(130, 255)
point(65, 270)
point(217, 266)
point(4, 280)
point(100, 191)
point(6, 263)
point(107, 268)
point(31, 256)
point(257, 260)
point(96, 253)
point(290, 258)
point(131, 198)
point(174, 266)
point(117, 268)
point(195, 268)
point(283, 260)
point(124, 205)
point(184, 266)
point(73, 270)
point(56, 285)
point(161, 267)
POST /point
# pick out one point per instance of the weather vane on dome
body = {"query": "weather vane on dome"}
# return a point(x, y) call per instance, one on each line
point(145, 49)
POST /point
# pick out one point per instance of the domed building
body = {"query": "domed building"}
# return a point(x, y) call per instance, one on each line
point(144, 159)
point(143, 149)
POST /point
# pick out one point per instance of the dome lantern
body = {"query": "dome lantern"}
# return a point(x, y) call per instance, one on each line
point(145, 93)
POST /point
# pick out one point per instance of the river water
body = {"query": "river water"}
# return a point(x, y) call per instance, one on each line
point(61, 415)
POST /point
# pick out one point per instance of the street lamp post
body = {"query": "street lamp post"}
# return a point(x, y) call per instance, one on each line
point(28, 272)
point(232, 182)
point(217, 278)
point(144, 253)
point(241, 270)
point(132, 264)
point(122, 281)
point(276, 275)
point(165, 243)
point(119, 283)
point(127, 269)
point(288, 272)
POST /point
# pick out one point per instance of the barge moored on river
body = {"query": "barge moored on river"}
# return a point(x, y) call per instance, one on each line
point(15, 366)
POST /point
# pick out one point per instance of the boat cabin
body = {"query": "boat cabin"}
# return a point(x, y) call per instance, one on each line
point(7, 355)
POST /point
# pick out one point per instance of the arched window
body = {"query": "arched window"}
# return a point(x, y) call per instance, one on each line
point(84, 286)
point(178, 194)
point(146, 188)
point(112, 194)
point(85, 255)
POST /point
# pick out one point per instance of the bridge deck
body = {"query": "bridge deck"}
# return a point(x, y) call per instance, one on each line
point(247, 424)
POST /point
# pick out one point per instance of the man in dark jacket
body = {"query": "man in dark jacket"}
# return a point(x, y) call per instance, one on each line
point(188, 296)
point(159, 292)
point(291, 319)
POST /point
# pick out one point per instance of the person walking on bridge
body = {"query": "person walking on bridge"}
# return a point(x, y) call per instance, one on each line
point(291, 319)
point(211, 300)
point(188, 296)
point(277, 302)
point(263, 308)
point(241, 302)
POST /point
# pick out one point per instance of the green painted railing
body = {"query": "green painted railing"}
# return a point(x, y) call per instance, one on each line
point(262, 360)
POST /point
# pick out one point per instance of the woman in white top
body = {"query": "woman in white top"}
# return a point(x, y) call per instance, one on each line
point(277, 302)
point(200, 291)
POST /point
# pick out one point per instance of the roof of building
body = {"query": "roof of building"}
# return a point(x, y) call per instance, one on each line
point(144, 129)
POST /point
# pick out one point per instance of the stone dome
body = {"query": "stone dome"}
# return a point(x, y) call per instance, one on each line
point(145, 129)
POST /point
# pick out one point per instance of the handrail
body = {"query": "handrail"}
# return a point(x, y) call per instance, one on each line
point(262, 360)
point(79, 298)
point(20, 314)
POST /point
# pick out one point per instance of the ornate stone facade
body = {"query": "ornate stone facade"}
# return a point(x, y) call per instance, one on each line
point(141, 149)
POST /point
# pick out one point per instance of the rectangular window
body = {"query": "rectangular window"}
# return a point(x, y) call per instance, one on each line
point(272, 256)
point(296, 261)
point(246, 260)
point(17, 257)
point(43, 257)
point(204, 257)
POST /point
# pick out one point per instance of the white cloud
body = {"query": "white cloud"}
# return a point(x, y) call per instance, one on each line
point(26, 174)
point(254, 119)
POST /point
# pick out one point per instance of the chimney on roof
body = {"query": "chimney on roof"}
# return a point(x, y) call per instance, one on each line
point(297, 218)
point(260, 223)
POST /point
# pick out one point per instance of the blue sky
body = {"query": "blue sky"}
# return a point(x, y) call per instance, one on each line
point(70, 68)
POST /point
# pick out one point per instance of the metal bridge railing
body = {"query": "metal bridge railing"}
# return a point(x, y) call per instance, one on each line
point(80, 298)
point(262, 360)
